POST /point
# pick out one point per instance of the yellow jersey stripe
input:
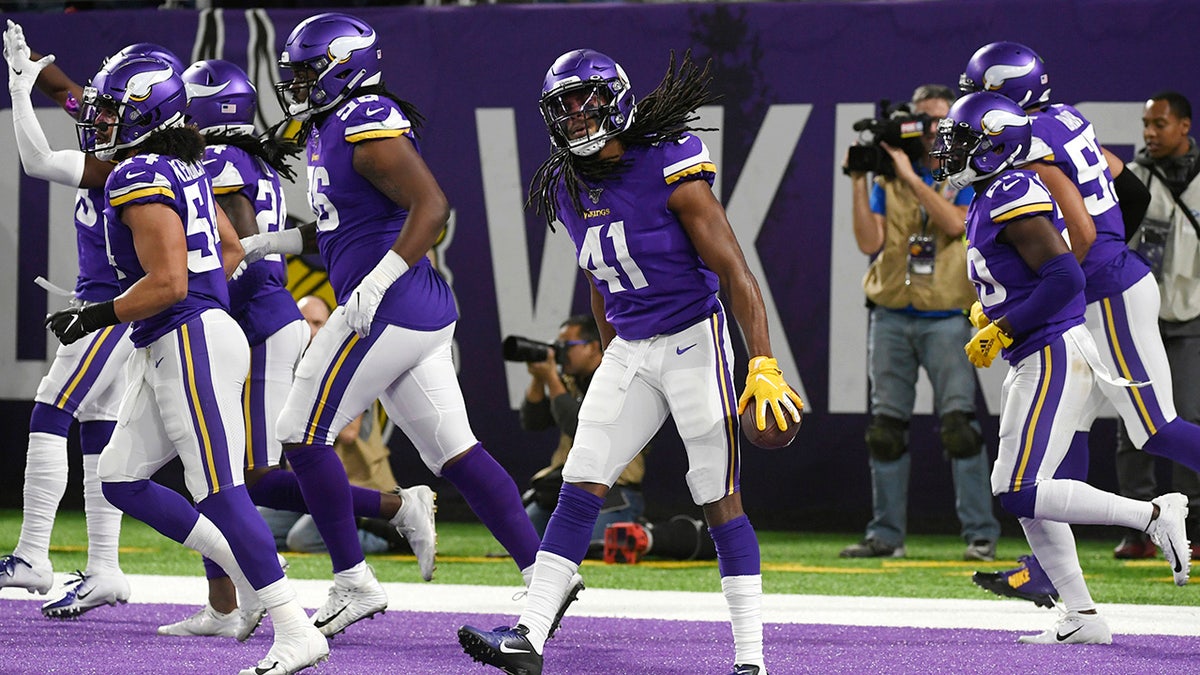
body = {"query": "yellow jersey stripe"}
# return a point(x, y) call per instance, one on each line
point(205, 441)
point(226, 189)
point(1047, 370)
point(693, 169)
point(1040, 207)
point(375, 133)
point(83, 369)
point(333, 373)
point(1111, 328)
point(144, 192)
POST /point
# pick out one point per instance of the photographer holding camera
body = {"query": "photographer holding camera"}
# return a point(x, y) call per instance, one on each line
point(553, 399)
point(917, 290)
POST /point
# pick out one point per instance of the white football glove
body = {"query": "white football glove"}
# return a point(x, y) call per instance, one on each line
point(364, 300)
point(22, 71)
point(258, 246)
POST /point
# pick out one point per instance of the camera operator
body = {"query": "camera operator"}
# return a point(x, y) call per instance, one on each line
point(917, 290)
point(553, 399)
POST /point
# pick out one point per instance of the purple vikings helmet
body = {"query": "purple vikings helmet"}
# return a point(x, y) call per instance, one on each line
point(220, 97)
point(123, 105)
point(584, 86)
point(1008, 68)
point(983, 134)
point(343, 54)
point(152, 50)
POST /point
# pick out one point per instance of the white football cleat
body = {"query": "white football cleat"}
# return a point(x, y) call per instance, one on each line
point(87, 592)
point(19, 573)
point(292, 653)
point(1073, 629)
point(205, 622)
point(1169, 533)
point(349, 604)
point(415, 522)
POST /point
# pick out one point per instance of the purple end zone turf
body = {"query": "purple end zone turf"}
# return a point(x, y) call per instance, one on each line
point(123, 640)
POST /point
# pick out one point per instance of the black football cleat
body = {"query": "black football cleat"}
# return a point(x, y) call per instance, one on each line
point(505, 648)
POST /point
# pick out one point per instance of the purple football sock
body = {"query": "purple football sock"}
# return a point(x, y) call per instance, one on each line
point(212, 570)
point(326, 491)
point(161, 508)
point(737, 548)
point(493, 496)
point(281, 490)
point(1178, 441)
point(570, 528)
point(93, 436)
point(1075, 463)
point(247, 533)
point(46, 419)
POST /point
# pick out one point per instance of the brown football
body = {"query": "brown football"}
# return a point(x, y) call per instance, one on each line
point(771, 438)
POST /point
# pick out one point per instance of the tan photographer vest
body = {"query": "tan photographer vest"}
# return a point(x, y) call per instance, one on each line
point(1179, 283)
point(885, 282)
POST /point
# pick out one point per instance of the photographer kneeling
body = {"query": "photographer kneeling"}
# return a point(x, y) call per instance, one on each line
point(553, 399)
point(917, 290)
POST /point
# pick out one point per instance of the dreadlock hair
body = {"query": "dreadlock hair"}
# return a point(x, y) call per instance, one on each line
point(410, 111)
point(274, 151)
point(184, 143)
point(664, 115)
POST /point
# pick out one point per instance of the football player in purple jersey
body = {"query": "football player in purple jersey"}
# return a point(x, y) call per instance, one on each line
point(1032, 287)
point(245, 171)
point(1121, 292)
point(86, 379)
point(186, 378)
point(379, 210)
point(632, 187)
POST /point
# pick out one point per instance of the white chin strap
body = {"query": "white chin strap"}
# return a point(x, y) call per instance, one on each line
point(300, 111)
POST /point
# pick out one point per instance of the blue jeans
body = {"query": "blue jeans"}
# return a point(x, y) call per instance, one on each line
point(623, 505)
point(898, 345)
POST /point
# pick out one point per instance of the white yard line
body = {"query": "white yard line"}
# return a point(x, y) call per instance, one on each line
point(997, 614)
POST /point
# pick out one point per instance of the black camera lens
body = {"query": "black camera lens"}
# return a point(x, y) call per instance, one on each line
point(524, 350)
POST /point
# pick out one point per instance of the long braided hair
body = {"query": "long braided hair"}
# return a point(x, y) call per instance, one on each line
point(664, 115)
point(276, 152)
point(414, 116)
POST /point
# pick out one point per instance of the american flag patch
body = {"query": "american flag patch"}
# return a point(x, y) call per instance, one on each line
point(228, 108)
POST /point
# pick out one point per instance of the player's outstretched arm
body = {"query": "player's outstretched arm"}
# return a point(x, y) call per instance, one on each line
point(703, 218)
point(66, 167)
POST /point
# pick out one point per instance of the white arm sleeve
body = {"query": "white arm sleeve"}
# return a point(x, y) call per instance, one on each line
point(38, 160)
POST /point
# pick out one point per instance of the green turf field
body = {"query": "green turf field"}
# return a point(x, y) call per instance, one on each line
point(792, 563)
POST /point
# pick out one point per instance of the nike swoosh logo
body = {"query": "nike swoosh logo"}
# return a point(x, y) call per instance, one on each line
point(374, 111)
point(1178, 565)
point(1061, 636)
point(505, 649)
point(764, 378)
point(159, 361)
point(260, 670)
point(681, 350)
point(135, 174)
point(16, 72)
point(81, 596)
point(1008, 186)
point(321, 624)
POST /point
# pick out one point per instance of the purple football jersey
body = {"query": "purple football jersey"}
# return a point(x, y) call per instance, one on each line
point(643, 262)
point(97, 281)
point(1066, 139)
point(258, 299)
point(1001, 277)
point(357, 224)
point(186, 189)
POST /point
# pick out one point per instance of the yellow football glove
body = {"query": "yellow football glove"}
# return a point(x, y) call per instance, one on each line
point(978, 318)
point(764, 384)
point(986, 345)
